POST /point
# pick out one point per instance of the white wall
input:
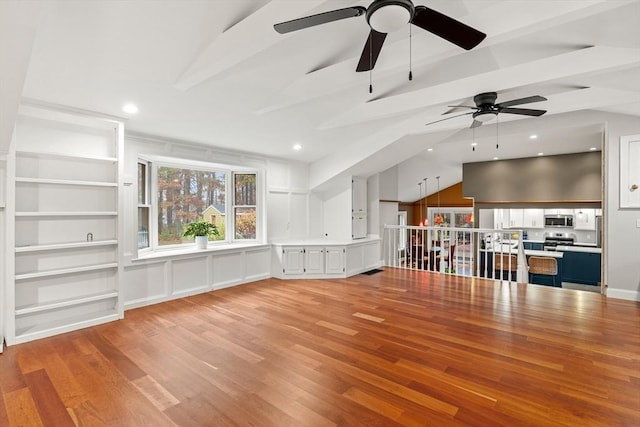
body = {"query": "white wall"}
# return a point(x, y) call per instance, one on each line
point(3, 233)
point(622, 237)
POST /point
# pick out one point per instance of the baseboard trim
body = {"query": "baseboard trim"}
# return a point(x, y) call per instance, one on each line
point(623, 294)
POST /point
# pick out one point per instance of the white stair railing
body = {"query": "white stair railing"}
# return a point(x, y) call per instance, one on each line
point(461, 251)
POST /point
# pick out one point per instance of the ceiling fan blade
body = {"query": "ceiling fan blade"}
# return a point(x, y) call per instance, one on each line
point(448, 28)
point(527, 100)
point(475, 124)
point(522, 111)
point(447, 118)
point(454, 108)
point(371, 50)
point(319, 19)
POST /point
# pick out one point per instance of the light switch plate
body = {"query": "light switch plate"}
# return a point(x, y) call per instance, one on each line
point(637, 223)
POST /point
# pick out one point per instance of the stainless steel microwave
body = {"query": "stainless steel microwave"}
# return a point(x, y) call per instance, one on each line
point(565, 221)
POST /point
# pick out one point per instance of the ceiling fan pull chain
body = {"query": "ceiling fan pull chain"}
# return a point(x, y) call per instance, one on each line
point(497, 122)
point(370, 63)
point(473, 144)
point(410, 73)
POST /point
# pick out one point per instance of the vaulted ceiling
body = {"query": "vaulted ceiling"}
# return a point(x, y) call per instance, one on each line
point(215, 72)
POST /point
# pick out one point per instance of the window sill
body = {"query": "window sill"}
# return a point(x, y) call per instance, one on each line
point(191, 251)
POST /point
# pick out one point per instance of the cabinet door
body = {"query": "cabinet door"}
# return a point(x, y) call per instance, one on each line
point(498, 219)
point(584, 219)
point(314, 260)
point(334, 260)
point(358, 195)
point(293, 260)
point(515, 218)
point(533, 218)
point(359, 226)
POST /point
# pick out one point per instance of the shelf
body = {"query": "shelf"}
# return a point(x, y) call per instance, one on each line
point(64, 325)
point(61, 214)
point(47, 154)
point(62, 271)
point(36, 308)
point(72, 245)
point(67, 182)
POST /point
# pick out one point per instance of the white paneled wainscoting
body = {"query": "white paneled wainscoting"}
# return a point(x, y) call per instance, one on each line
point(162, 278)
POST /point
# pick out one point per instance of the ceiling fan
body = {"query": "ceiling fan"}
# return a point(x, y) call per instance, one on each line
point(385, 16)
point(486, 108)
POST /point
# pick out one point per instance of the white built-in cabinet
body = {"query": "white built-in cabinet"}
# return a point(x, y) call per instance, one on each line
point(312, 260)
point(358, 208)
point(64, 207)
point(318, 260)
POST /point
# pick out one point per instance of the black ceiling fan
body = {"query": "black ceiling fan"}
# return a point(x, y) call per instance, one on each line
point(486, 108)
point(385, 16)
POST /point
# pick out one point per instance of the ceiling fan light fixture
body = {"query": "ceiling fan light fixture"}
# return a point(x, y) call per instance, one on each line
point(387, 16)
point(485, 116)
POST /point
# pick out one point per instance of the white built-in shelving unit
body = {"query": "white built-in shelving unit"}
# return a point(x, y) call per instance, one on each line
point(63, 208)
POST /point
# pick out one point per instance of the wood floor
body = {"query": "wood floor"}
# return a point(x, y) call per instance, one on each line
point(395, 348)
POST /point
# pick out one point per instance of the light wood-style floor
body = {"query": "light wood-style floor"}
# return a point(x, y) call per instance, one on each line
point(395, 348)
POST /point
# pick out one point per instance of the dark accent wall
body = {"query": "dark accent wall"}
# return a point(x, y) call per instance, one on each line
point(548, 179)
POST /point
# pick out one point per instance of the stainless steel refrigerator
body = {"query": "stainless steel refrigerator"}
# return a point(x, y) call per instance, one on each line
point(599, 231)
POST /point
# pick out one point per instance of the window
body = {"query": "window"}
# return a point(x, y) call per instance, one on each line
point(143, 205)
point(244, 205)
point(174, 192)
point(185, 195)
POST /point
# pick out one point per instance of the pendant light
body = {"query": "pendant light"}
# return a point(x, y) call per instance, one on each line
point(438, 212)
point(426, 203)
point(420, 186)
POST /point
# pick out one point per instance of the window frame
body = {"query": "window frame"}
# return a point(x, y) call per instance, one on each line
point(234, 205)
point(155, 162)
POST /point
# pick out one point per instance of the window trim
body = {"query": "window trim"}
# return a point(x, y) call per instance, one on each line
point(154, 162)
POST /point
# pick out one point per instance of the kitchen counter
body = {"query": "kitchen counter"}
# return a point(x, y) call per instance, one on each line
point(587, 249)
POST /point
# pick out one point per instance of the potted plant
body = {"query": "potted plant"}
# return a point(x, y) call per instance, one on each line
point(201, 230)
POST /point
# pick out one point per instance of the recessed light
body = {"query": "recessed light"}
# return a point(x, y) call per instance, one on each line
point(540, 154)
point(592, 149)
point(429, 149)
point(496, 158)
point(297, 147)
point(130, 108)
point(533, 136)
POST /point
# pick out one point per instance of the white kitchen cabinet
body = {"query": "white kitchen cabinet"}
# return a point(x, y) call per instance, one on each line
point(558, 211)
point(515, 218)
point(533, 218)
point(585, 219)
point(65, 205)
point(498, 218)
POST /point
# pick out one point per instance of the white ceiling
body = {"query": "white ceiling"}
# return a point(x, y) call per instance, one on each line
point(215, 72)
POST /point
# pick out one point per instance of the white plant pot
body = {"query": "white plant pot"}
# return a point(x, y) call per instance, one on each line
point(201, 242)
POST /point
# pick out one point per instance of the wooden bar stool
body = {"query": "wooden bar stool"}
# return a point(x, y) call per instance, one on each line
point(508, 263)
point(544, 265)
